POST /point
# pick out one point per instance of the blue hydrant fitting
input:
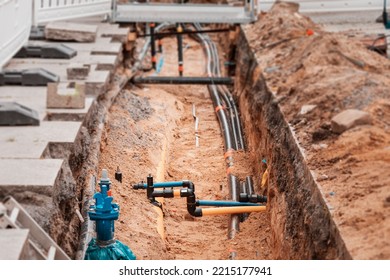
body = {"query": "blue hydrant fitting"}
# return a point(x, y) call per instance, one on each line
point(104, 212)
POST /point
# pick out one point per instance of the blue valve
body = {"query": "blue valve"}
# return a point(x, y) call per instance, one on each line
point(104, 212)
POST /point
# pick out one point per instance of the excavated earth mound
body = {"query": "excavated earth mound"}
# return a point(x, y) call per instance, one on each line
point(314, 76)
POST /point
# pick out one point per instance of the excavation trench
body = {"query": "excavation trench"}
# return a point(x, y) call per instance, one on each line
point(151, 130)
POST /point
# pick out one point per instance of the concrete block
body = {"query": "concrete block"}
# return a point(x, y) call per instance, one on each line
point(14, 244)
point(68, 31)
point(114, 32)
point(109, 49)
point(97, 82)
point(31, 142)
point(15, 114)
point(65, 95)
point(102, 62)
point(11, 148)
point(35, 175)
point(348, 119)
point(77, 71)
point(53, 131)
point(32, 97)
point(76, 115)
point(56, 66)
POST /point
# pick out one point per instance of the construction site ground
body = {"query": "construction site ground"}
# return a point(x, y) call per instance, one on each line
point(314, 69)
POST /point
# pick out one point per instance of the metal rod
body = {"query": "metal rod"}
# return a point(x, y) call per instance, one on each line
point(183, 80)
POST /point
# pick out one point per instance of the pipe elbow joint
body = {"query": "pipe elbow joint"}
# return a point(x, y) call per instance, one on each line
point(193, 211)
point(188, 184)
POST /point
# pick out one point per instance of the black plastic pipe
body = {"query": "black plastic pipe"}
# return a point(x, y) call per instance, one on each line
point(232, 123)
point(180, 49)
point(249, 185)
point(153, 45)
point(149, 188)
point(160, 45)
point(234, 222)
point(183, 80)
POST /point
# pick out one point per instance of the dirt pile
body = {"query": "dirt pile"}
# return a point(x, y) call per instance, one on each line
point(315, 75)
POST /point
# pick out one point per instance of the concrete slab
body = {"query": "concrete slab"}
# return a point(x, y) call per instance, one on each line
point(96, 78)
point(96, 82)
point(55, 68)
point(14, 244)
point(12, 150)
point(58, 66)
point(69, 31)
point(102, 62)
point(35, 98)
point(100, 46)
point(48, 131)
point(114, 32)
point(35, 175)
point(32, 97)
point(71, 114)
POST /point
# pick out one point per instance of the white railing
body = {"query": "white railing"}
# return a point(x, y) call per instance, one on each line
point(328, 5)
point(15, 25)
point(52, 10)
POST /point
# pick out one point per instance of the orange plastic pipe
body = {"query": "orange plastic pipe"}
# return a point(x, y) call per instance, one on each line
point(176, 193)
point(232, 210)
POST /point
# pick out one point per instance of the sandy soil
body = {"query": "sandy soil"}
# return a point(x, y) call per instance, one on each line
point(334, 72)
point(151, 130)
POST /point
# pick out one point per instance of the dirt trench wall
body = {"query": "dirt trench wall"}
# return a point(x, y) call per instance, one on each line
point(302, 226)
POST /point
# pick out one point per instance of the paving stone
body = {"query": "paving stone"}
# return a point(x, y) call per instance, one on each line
point(65, 95)
point(348, 119)
point(69, 31)
point(14, 244)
